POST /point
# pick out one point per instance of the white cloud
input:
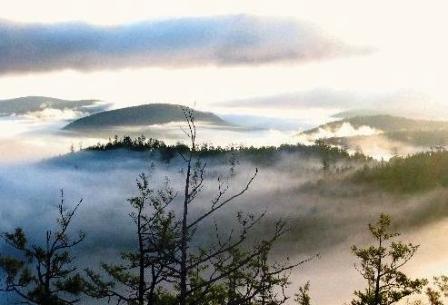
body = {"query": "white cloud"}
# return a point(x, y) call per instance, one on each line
point(344, 130)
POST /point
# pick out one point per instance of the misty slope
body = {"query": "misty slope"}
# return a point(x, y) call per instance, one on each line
point(129, 148)
point(24, 105)
point(355, 113)
point(144, 115)
point(385, 123)
point(325, 219)
point(411, 174)
point(291, 183)
point(382, 135)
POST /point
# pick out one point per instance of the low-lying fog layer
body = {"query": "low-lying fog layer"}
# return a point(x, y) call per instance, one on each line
point(324, 217)
point(30, 139)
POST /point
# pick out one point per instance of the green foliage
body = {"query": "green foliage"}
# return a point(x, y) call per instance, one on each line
point(130, 282)
point(436, 293)
point(256, 280)
point(260, 155)
point(420, 172)
point(303, 296)
point(386, 123)
point(43, 275)
point(380, 265)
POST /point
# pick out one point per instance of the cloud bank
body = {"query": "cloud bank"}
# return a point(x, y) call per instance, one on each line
point(222, 41)
point(408, 103)
point(319, 98)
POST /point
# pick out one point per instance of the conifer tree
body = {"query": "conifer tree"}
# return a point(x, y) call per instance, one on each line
point(44, 274)
point(381, 264)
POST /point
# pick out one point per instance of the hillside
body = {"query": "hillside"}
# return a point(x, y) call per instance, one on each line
point(28, 104)
point(143, 115)
point(385, 123)
point(357, 112)
point(129, 147)
point(414, 173)
point(381, 136)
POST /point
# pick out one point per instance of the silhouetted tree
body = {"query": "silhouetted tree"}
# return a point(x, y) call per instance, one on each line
point(380, 265)
point(303, 296)
point(257, 281)
point(436, 293)
point(244, 272)
point(138, 279)
point(169, 265)
point(44, 275)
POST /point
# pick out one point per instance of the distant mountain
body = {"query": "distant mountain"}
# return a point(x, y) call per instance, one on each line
point(265, 122)
point(385, 123)
point(31, 104)
point(357, 112)
point(390, 135)
point(140, 116)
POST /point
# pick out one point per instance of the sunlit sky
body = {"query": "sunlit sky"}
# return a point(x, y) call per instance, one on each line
point(406, 43)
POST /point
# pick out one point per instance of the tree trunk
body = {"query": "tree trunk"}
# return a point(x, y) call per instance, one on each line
point(377, 298)
point(141, 283)
point(183, 261)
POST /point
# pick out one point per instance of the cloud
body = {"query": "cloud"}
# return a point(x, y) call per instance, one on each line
point(224, 40)
point(409, 103)
point(317, 98)
point(345, 130)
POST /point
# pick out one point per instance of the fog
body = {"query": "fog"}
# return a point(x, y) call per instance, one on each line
point(345, 130)
point(325, 216)
point(326, 213)
point(28, 137)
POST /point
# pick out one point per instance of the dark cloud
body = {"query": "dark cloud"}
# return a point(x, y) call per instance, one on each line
point(225, 40)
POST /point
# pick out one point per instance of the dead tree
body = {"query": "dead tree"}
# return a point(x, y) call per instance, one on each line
point(204, 270)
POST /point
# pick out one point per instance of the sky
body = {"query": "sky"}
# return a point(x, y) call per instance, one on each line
point(277, 57)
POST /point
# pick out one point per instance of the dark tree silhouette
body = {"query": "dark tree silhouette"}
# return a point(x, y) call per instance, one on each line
point(138, 279)
point(303, 296)
point(380, 265)
point(244, 272)
point(44, 275)
point(169, 264)
point(257, 281)
point(436, 293)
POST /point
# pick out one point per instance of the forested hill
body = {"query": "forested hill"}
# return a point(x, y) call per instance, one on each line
point(143, 115)
point(141, 147)
point(386, 123)
point(411, 174)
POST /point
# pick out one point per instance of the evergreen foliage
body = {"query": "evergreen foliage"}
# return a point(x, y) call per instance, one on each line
point(381, 264)
point(44, 274)
point(415, 173)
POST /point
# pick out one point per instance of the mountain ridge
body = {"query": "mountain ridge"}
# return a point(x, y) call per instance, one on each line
point(27, 104)
point(141, 115)
point(385, 123)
